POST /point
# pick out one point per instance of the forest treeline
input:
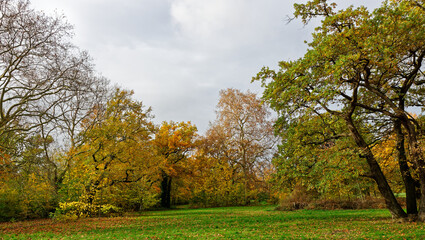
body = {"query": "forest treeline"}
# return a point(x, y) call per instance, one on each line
point(73, 145)
point(349, 124)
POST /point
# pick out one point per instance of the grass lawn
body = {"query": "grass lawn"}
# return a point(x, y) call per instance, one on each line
point(224, 223)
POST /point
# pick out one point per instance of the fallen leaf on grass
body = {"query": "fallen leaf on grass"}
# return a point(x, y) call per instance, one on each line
point(48, 225)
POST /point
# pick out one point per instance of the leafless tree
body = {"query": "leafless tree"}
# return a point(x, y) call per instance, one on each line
point(39, 67)
point(47, 86)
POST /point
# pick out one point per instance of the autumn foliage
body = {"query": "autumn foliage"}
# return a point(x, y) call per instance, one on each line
point(343, 131)
point(119, 160)
point(354, 90)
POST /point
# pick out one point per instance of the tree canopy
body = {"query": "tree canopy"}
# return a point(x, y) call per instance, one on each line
point(363, 68)
point(349, 123)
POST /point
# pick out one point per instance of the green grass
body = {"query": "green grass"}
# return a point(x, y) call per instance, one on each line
point(227, 223)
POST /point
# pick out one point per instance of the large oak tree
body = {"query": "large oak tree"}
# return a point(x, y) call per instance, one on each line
point(365, 69)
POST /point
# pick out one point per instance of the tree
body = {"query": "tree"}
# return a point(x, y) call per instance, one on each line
point(42, 74)
point(173, 143)
point(365, 69)
point(70, 127)
point(212, 181)
point(39, 66)
point(118, 150)
point(243, 133)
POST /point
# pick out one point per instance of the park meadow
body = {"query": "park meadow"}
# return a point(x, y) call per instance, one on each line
point(255, 222)
point(333, 148)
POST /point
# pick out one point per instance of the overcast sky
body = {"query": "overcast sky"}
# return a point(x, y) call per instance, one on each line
point(178, 54)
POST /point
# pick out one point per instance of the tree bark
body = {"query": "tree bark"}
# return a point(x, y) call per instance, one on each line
point(416, 155)
point(409, 182)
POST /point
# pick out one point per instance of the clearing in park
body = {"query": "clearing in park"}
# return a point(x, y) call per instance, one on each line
point(261, 222)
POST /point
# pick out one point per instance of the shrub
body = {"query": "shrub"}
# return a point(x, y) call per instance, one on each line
point(110, 210)
point(332, 204)
point(25, 197)
point(74, 210)
point(304, 202)
point(300, 198)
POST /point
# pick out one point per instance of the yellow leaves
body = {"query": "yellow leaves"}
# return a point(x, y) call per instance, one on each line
point(26, 193)
point(117, 150)
point(386, 155)
point(176, 136)
point(212, 183)
point(73, 210)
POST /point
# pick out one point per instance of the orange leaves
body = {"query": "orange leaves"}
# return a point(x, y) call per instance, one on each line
point(174, 137)
point(5, 161)
point(175, 141)
point(243, 133)
point(386, 153)
point(56, 227)
point(233, 158)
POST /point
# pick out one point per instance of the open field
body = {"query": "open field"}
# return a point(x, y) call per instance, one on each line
point(224, 223)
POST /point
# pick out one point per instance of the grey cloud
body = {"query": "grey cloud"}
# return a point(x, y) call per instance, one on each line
point(178, 54)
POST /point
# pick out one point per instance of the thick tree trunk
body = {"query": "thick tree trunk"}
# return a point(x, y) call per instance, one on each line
point(416, 154)
point(166, 191)
point(409, 182)
point(383, 186)
point(421, 215)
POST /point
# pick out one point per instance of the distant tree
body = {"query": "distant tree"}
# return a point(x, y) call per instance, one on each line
point(242, 134)
point(174, 143)
point(212, 181)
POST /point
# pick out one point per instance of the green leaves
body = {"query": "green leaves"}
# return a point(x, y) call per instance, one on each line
point(313, 9)
point(362, 70)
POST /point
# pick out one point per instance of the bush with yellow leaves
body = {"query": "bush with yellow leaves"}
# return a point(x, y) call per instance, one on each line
point(74, 210)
